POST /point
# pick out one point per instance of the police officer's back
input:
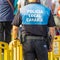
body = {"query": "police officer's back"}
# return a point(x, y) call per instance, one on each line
point(35, 19)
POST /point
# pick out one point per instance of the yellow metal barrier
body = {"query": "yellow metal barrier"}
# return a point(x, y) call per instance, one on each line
point(56, 48)
point(4, 53)
point(16, 50)
point(50, 55)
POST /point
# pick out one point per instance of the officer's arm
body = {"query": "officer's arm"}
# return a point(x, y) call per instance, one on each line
point(14, 32)
point(52, 33)
point(53, 7)
point(51, 25)
point(15, 25)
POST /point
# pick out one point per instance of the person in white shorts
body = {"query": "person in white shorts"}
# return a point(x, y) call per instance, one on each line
point(55, 6)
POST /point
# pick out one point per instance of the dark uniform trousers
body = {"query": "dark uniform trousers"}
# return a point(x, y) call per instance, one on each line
point(5, 31)
point(35, 45)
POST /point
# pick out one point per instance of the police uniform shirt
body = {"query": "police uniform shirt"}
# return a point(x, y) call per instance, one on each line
point(32, 22)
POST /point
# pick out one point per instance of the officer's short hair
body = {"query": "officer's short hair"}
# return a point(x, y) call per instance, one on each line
point(26, 2)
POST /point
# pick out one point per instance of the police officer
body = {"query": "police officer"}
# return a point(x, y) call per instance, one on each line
point(35, 19)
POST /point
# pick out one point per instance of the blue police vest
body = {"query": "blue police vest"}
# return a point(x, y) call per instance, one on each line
point(35, 14)
point(35, 19)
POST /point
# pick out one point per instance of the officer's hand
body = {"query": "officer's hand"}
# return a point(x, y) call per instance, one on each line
point(50, 48)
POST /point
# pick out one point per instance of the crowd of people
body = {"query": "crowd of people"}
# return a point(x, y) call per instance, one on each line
point(9, 8)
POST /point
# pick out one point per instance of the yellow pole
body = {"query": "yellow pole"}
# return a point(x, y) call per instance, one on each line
point(50, 55)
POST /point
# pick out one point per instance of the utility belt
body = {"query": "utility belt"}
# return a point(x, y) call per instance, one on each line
point(35, 37)
point(25, 37)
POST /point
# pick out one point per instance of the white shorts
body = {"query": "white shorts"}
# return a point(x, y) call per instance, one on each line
point(57, 21)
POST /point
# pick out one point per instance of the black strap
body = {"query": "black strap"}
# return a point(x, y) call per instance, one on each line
point(10, 4)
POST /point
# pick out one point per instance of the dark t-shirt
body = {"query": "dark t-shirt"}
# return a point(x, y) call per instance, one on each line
point(6, 12)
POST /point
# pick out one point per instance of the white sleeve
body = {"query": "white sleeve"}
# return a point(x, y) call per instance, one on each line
point(19, 1)
point(53, 1)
